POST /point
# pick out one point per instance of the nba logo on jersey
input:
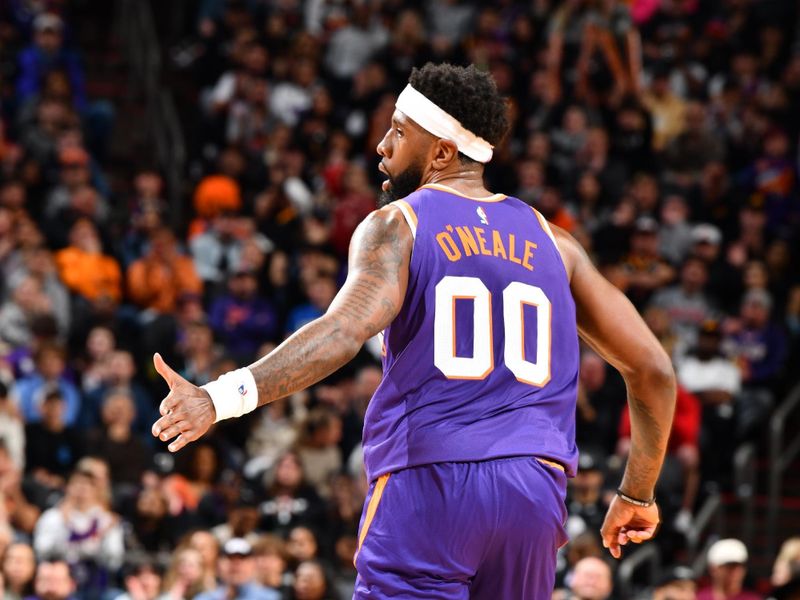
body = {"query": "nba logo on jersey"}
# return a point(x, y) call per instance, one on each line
point(482, 215)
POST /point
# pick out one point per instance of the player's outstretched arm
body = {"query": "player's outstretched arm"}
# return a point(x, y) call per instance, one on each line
point(369, 300)
point(610, 324)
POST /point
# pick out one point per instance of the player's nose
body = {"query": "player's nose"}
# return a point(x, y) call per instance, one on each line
point(383, 146)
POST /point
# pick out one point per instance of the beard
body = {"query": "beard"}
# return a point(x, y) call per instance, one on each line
point(402, 185)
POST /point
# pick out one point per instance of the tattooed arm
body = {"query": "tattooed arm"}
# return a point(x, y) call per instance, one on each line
point(369, 300)
point(609, 324)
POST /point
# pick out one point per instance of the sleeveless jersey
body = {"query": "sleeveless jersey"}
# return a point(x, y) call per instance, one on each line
point(482, 360)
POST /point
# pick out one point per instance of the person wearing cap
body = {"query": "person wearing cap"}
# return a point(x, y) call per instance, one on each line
point(237, 573)
point(727, 566)
point(759, 348)
point(585, 501)
point(47, 53)
point(677, 583)
point(643, 270)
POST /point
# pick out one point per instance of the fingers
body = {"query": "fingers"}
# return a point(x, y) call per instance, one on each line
point(167, 429)
point(611, 540)
point(162, 424)
point(168, 404)
point(163, 369)
point(182, 440)
point(169, 432)
point(637, 536)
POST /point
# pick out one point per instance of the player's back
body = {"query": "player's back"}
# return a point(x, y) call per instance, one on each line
point(482, 360)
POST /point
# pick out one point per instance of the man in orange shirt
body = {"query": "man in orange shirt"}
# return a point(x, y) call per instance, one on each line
point(85, 270)
point(162, 275)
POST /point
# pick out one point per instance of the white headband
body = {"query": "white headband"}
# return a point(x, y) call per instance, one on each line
point(436, 121)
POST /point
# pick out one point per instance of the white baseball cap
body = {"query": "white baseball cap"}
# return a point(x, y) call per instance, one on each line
point(727, 551)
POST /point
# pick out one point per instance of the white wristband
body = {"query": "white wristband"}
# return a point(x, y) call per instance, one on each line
point(234, 394)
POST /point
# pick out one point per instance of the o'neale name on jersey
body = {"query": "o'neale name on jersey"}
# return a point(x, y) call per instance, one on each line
point(465, 241)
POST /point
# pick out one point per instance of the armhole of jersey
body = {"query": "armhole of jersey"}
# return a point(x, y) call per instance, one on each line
point(546, 226)
point(409, 215)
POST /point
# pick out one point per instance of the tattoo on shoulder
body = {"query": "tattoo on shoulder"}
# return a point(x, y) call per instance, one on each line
point(381, 248)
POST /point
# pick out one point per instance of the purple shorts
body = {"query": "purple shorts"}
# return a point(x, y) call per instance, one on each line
point(463, 530)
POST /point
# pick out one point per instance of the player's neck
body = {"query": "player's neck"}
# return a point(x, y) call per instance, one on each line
point(465, 179)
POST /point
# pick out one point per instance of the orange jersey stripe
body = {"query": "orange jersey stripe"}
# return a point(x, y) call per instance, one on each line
point(372, 507)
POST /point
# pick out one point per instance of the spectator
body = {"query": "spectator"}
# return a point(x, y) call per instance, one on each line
point(12, 429)
point(676, 231)
point(127, 455)
point(686, 303)
point(759, 348)
point(200, 353)
point(120, 376)
point(142, 580)
point(214, 250)
point(54, 580)
point(50, 373)
point(643, 271)
point(241, 319)
point(676, 584)
point(691, 150)
point(214, 196)
point(48, 53)
point(320, 292)
point(83, 530)
point(787, 563)
point(17, 314)
point(601, 394)
point(242, 518)
point(37, 263)
point(273, 433)
point(162, 275)
point(100, 344)
point(195, 478)
point(208, 547)
point(319, 450)
point(18, 569)
point(585, 502)
point(153, 529)
point(301, 545)
point(272, 562)
point(58, 446)
point(290, 500)
point(727, 565)
point(86, 271)
point(237, 573)
point(185, 577)
point(667, 109)
point(591, 580)
point(311, 582)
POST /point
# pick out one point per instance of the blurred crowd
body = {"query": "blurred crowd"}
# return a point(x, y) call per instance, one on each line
point(663, 134)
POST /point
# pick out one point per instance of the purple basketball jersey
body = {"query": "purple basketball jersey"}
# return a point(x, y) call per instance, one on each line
point(482, 360)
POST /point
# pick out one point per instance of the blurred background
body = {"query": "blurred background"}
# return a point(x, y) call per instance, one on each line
point(185, 176)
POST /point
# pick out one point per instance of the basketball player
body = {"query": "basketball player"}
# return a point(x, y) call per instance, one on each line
point(469, 440)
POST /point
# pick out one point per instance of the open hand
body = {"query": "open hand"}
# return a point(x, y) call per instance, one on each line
point(625, 523)
point(187, 412)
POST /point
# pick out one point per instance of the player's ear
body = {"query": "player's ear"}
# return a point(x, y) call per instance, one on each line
point(444, 153)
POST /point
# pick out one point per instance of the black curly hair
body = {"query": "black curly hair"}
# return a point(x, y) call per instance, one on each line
point(468, 95)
